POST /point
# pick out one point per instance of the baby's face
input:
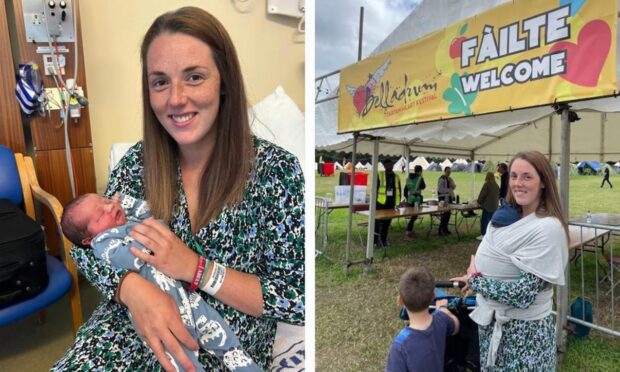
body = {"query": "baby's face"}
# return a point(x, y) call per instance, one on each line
point(102, 214)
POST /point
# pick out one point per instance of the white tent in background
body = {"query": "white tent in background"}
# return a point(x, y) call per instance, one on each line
point(420, 160)
point(359, 165)
point(617, 164)
point(338, 166)
point(445, 163)
point(380, 167)
point(400, 165)
point(460, 161)
point(368, 166)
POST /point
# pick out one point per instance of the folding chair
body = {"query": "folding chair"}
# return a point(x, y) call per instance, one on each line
point(613, 275)
point(322, 214)
point(469, 217)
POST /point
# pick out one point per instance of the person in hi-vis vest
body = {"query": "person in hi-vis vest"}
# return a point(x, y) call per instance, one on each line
point(388, 196)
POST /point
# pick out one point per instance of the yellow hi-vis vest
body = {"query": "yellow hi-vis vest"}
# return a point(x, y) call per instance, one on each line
point(382, 191)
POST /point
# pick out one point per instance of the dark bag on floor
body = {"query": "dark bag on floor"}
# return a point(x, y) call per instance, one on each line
point(23, 269)
point(581, 309)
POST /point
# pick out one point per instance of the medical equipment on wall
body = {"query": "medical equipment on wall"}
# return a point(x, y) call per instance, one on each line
point(55, 22)
point(289, 8)
point(53, 18)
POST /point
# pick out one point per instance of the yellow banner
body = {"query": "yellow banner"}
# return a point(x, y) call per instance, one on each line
point(521, 54)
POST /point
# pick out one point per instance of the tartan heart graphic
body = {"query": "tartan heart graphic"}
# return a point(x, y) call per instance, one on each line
point(585, 59)
point(359, 98)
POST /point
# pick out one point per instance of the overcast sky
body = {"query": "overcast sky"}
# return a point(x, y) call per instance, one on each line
point(337, 28)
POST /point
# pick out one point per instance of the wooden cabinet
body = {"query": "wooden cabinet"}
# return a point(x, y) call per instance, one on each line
point(11, 132)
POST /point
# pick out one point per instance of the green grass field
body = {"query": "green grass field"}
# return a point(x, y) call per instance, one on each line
point(357, 315)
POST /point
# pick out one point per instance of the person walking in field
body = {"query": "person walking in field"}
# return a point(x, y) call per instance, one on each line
point(606, 178)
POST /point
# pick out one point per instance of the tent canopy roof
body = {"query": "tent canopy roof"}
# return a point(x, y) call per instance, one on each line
point(468, 137)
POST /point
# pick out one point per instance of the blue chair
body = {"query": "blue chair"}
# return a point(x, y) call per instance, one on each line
point(18, 183)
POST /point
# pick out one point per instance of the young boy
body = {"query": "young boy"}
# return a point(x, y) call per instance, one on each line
point(104, 224)
point(421, 345)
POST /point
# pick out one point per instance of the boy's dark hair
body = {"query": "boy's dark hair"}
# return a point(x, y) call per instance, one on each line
point(73, 229)
point(417, 169)
point(417, 288)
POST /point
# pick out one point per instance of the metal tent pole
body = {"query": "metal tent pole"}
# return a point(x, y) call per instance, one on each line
point(473, 177)
point(562, 291)
point(347, 258)
point(373, 204)
point(407, 156)
point(347, 261)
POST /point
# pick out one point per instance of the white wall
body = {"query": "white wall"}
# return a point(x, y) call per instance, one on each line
point(270, 49)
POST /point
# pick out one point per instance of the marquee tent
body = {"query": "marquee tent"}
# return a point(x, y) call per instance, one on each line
point(593, 166)
point(421, 161)
point(445, 163)
point(489, 166)
point(400, 165)
point(434, 167)
point(495, 136)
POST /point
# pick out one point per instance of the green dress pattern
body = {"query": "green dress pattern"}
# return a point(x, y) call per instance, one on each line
point(262, 235)
point(526, 345)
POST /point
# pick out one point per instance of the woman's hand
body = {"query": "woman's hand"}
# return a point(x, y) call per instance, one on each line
point(461, 279)
point(157, 320)
point(470, 270)
point(170, 255)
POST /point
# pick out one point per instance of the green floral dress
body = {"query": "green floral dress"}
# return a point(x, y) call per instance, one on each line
point(526, 345)
point(262, 235)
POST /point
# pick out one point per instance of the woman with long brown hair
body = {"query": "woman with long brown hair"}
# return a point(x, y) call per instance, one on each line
point(514, 270)
point(232, 207)
point(488, 200)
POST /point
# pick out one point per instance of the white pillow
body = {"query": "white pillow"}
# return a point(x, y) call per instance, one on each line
point(278, 119)
point(117, 152)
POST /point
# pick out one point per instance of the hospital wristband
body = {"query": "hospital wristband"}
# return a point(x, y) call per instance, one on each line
point(204, 274)
point(200, 269)
point(218, 274)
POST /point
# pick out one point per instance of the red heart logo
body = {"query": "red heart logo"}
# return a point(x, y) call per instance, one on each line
point(585, 59)
point(359, 99)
